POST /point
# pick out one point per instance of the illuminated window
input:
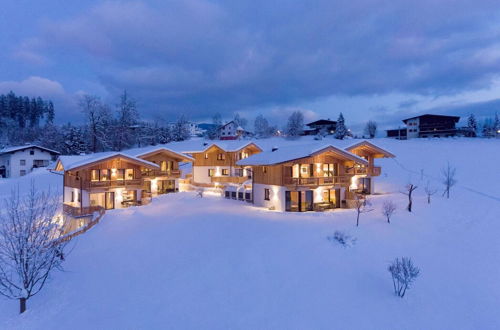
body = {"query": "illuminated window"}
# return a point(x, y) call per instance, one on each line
point(211, 172)
point(104, 175)
point(221, 156)
point(163, 165)
point(94, 175)
point(129, 174)
point(225, 171)
point(206, 156)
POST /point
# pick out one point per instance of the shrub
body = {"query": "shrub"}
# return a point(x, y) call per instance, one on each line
point(403, 273)
point(342, 238)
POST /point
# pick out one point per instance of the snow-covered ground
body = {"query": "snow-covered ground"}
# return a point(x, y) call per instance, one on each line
point(185, 262)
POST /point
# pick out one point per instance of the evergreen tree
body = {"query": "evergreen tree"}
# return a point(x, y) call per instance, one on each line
point(126, 121)
point(472, 125)
point(341, 130)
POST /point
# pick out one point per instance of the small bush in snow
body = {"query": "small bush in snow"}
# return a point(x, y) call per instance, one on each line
point(342, 238)
point(403, 273)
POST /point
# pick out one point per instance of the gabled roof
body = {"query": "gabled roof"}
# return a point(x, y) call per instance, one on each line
point(67, 163)
point(227, 146)
point(145, 151)
point(287, 154)
point(24, 147)
point(322, 122)
point(454, 118)
point(222, 126)
point(370, 146)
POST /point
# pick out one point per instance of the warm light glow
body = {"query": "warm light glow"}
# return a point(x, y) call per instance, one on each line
point(318, 194)
point(113, 170)
point(354, 181)
point(275, 194)
point(318, 167)
point(119, 195)
point(217, 171)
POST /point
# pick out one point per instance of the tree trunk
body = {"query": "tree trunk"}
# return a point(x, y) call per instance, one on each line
point(22, 305)
point(357, 220)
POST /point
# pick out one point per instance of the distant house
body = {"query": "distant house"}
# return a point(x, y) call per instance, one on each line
point(427, 126)
point(326, 125)
point(20, 160)
point(231, 131)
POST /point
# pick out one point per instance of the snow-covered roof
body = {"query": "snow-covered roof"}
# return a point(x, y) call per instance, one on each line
point(23, 147)
point(286, 154)
point(226, 145)
point(370, 145)
point(139, 152)
point(72, 162)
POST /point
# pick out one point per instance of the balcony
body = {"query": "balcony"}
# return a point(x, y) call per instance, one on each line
point(230, 179)
point(316, 181)
point(76, 211)
point(155, 173)
point(115, 183)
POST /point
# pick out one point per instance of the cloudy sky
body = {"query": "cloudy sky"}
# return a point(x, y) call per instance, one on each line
point(382, 60)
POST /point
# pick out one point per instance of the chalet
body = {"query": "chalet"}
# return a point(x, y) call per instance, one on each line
point(428, 126)
point(21, 160)
point(111, 180)
point(214, 165)
point(305, 178)
point(323, 125)
point(231, 131)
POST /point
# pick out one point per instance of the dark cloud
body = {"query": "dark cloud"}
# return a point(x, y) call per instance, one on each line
point(204, 56)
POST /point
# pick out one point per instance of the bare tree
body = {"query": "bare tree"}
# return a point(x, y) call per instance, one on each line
point(448, 175)
point(429, 191)
point(29, 244)
point(388, 209)
point(362, 205)
point(410, 188)
point(90, 106)
point(371, 129)
point(403, 273)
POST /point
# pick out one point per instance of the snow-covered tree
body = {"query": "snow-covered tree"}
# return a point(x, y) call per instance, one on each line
point(97, 120)
point(388, 209)
point(213, 133)
point(126, 122)
point(472, 125)
point(371, 129)
point(295, 124)
point(240, 121)
point(29, 245)
point(180, 129)
point(73, 140)
point(340, 130)
point(261, 127)
point(362, 205)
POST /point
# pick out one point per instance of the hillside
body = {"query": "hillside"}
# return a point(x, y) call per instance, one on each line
point(185, 262)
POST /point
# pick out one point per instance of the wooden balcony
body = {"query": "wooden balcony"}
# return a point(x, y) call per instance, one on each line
point(317, 181)
point(76, 211)
point(154, 173)
point(115, 183)
point(230, 179)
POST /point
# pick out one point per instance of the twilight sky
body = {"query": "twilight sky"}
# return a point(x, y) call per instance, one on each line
point(382, 60)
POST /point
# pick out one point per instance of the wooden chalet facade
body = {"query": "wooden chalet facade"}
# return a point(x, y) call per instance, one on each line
point(117, 180)
point(215, 166)
point(288, 179)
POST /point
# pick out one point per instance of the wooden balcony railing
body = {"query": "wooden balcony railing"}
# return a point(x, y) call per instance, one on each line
point(316, 181)
point(115, 183)
point(154, 173)
point(76, 211)
point(230, 179)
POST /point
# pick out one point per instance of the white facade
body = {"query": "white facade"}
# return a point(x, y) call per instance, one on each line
point(276, 196)
point(201, 173)
point(412, 128)
point(20, 162)
point(230, 131)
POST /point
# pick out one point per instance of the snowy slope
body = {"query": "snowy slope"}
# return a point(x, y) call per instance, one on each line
point(184, 262)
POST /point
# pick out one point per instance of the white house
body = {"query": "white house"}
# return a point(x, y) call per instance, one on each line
point(231, 131)
point(20, 160)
